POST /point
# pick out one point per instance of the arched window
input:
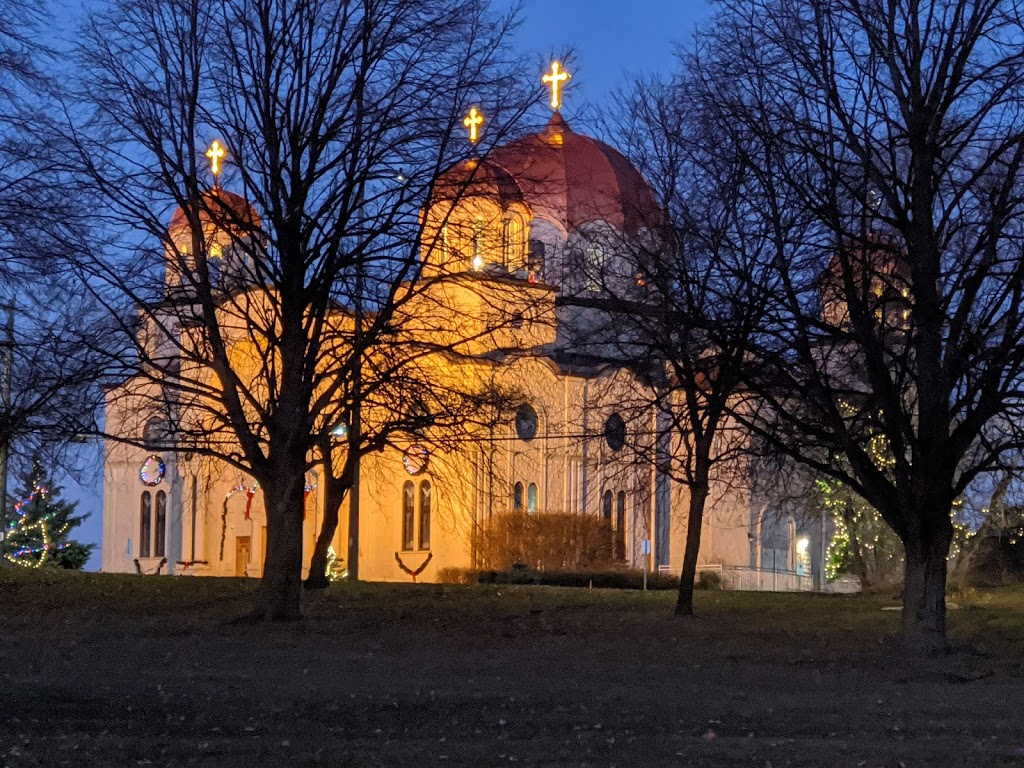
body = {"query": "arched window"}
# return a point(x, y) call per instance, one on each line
point(531, 498)
point(517, 497)
point(145, 523)
point(215, 265)
point(620, 526)
point(408, 515)
point(160, 537)
point(536, 255)
point(606, 519)
point(479, 226)
point(425, 514)
point(153, 433)
point(512, 243)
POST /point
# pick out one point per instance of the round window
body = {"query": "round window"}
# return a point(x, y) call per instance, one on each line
point(615, 432)
point(526, 422)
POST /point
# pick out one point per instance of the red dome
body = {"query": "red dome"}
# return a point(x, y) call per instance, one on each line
point(220, 208)
point(571, 179)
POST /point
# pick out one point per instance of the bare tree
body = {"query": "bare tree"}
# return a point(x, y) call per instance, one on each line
point(337, 115)
point(48, 369)
point(894, 341)
point(694, 302)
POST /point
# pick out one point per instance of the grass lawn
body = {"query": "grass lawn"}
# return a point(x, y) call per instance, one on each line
point(127, 671)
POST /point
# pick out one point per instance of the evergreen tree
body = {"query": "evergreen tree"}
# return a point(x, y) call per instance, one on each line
point(39, 525)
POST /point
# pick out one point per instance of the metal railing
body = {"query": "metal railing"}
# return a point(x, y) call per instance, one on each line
point(740, 578)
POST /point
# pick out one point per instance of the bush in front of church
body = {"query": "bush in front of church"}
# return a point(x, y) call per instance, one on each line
point(617, 579)
point(547, 542)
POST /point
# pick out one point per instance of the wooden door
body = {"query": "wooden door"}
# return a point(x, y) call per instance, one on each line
point(242, 549)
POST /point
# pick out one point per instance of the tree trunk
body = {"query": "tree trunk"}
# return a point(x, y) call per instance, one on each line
point(698, 498)
point(281, 586)
point(924, 591)
point(334, 496)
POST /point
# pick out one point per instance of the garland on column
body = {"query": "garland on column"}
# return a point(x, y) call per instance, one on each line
point(307, 489)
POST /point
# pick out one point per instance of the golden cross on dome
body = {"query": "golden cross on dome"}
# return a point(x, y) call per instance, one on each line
point(215, 153)
point(555, 78)
point(473, 121)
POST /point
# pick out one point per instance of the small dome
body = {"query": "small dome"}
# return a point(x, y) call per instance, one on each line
point(478, 178)
point(219, 208)
point(572, 179)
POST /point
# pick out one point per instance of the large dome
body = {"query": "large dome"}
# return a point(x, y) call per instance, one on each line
point(571, 180)
point(219, 209)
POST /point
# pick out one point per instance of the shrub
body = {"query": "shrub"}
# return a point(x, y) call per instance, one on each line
point(547, 542)
point(709, 580)
point(617, 579)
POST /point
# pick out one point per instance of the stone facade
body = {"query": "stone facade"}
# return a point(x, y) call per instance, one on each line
point(535, 255)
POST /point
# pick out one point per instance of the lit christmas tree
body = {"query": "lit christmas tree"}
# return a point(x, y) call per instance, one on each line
point(39, 526)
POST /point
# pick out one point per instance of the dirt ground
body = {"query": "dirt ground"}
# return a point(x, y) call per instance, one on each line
point(128, 671)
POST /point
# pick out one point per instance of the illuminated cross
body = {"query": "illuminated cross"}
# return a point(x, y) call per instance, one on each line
point(215, 153)
point(555, 78)
point(473, 121)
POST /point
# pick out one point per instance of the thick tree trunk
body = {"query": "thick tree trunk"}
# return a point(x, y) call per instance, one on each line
point(281, 586)
point(924, 591)
point(698, 499)
point(334, 496)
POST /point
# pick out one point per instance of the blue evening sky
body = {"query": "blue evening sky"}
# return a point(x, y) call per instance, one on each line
point(610, 40)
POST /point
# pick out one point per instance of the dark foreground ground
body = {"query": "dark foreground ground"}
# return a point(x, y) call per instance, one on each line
point(129, 671)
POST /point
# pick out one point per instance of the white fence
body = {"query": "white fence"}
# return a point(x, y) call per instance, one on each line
point(742, 579)
point(735, 577)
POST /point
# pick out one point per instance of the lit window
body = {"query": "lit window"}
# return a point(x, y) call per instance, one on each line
point(478, 241)
point(425, 505)
point(512, 243)
point(145, 523)
point(531, 498)
point(408, 516)
point(620, 526)
point(160, 537)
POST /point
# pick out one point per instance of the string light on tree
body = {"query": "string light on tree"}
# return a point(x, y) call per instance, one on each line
point(38, 533)
point(336, 570)
point(22, 534)
point(554, 79)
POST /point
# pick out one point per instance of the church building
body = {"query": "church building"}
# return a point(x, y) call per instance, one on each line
point(546, 220)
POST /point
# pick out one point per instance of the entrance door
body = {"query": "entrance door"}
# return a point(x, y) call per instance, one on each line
point(242, 549)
